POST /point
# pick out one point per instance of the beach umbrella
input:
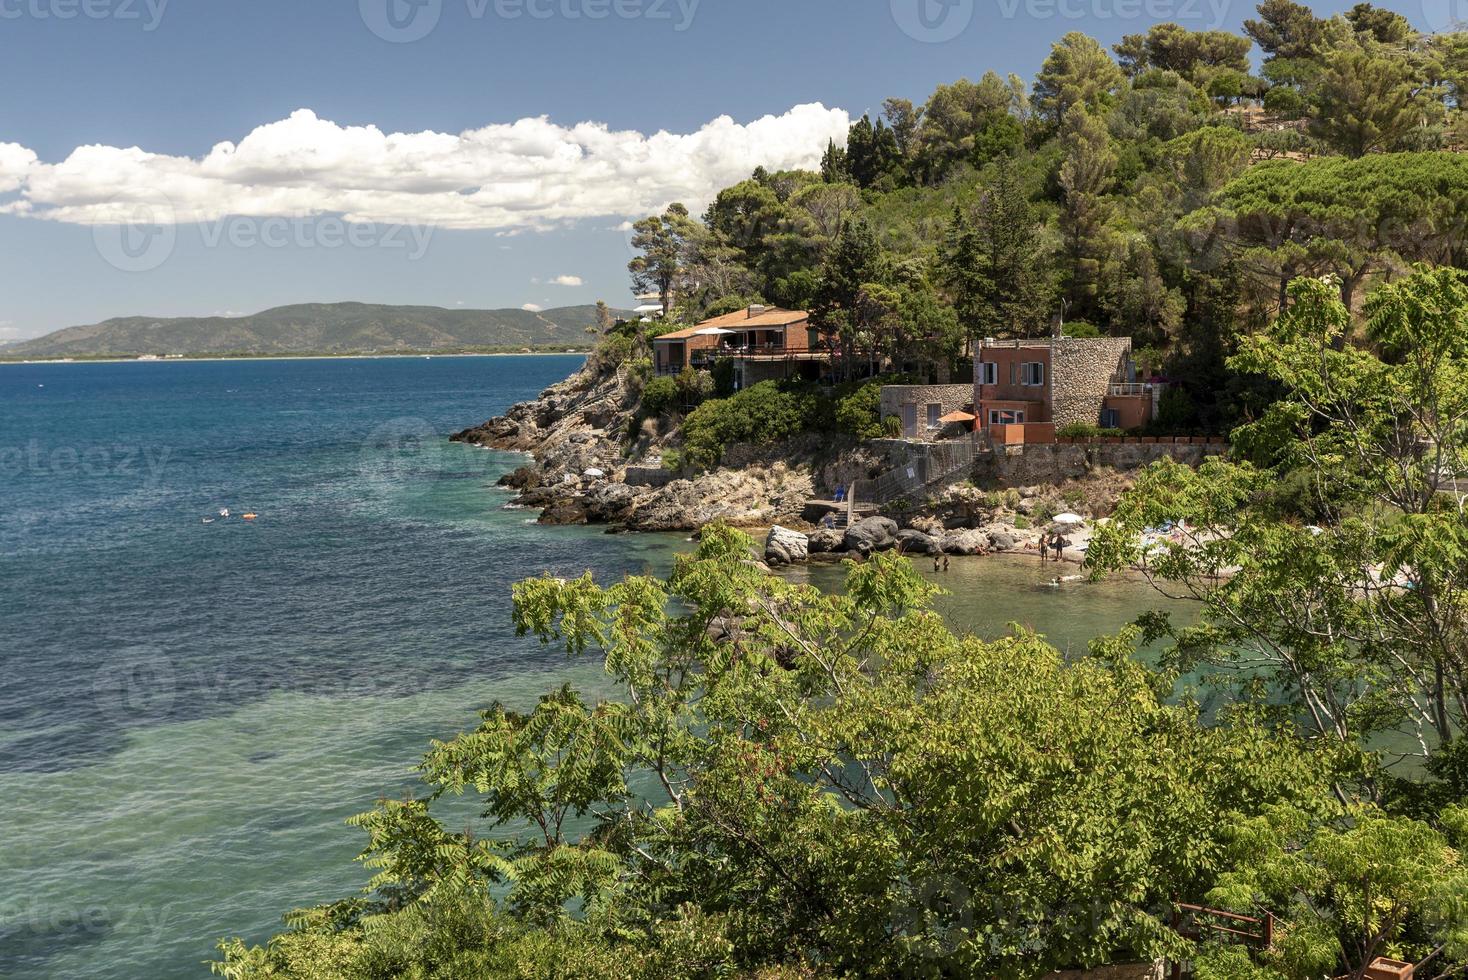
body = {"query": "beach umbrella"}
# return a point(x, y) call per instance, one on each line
point(957, 417)
point(1068, 519)
point(712, 332)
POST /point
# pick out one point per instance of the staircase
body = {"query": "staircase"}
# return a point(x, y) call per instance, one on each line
point(938, 464)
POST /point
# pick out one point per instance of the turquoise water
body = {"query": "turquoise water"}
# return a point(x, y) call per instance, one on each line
point(189, 710)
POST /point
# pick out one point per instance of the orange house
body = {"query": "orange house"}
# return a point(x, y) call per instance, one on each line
point(751, 336)
point(1060, 380)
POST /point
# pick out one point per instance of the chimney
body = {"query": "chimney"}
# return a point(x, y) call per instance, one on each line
point(1057, 325)
point(754, 310)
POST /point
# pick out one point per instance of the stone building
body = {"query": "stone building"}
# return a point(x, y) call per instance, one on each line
point(921, 406)
point(1060, 381)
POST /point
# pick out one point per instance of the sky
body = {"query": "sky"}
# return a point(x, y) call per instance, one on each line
point(220, 157)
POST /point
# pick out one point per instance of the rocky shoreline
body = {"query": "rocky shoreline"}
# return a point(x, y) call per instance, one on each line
point(585, 470)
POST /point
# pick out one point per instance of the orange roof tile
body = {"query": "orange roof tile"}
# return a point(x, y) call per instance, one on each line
point(742, 320)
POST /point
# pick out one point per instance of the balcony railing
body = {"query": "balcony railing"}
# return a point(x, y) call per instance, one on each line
point(1130, 390)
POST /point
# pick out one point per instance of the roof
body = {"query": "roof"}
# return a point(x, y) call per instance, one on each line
point(743, 320)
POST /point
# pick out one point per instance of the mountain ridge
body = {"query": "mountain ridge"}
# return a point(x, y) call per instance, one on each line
point(320, 328)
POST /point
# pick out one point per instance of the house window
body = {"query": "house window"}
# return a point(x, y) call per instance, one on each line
point(1006, 416)
point(988, 373)
point(1110, 418)
point(1032, 373)
point(934, 412)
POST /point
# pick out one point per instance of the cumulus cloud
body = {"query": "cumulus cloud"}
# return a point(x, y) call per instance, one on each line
point(510, 177)
point(532, 307)
point(567, 281)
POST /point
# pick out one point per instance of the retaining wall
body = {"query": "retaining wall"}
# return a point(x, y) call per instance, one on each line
point(1056, 463)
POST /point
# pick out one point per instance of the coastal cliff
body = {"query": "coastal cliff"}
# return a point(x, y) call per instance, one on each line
point(585, 469)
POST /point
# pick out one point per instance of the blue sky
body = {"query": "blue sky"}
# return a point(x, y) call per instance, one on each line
point(487, 222)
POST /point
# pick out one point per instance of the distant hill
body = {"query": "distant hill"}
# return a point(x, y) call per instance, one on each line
point(319, 328)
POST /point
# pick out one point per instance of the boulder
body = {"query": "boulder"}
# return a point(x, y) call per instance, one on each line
point(786, 547)
point(872, 534)
point(915, 542)
point(972, 542)
point(565, 510)
point(1003, 541)
point(826, 540)
point(610, 503)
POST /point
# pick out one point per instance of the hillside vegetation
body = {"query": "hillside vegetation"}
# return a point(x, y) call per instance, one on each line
point(323, 328)
point(792, 784)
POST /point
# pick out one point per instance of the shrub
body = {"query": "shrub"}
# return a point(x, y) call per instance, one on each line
point(1078, 430)
point(859, 413)
point(660, 396)
point(892, 427)
point(765, 413)
point(1080, 328)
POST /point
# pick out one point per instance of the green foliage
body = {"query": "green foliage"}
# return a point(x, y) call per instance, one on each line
point(860, 413)
point(762, 414)
point(843, 781)
point(660, 397)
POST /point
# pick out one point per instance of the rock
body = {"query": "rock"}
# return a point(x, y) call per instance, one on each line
point(1002, 541)
point(1027, 505)
point(915, 542)
point(786, 547)
point(931, 526)
point(973, 542)
point(565, 510)
point(525, 478)
point(610, 503)
point(872, 534)
point(826, 540)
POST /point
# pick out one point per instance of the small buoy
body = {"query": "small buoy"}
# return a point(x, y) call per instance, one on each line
point(208, 520)
point(251, 517)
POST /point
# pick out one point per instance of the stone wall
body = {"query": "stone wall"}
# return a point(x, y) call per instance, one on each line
point(1081, 371)
point(949, 398)
point(647, 476)
point(1036, 464)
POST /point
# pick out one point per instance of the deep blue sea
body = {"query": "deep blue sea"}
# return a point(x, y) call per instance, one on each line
point(191, 705)
point(189, 710)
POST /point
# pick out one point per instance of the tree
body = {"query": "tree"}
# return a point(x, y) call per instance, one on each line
point(662, 240)
point(854, 260)
point(1358, 621)
point(959, 117)
point(1352, 887)
point(872, 153)
point(1350, 217)
point(834, 166)
point(1363, 102)
point(1077, 72)
point(992, 265)
point(1285, 30)
point(1191, 54)
point(1085, 177)
point(842, 781)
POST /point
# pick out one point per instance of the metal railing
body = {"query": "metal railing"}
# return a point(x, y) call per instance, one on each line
point(1121, 390)
point(938, 461)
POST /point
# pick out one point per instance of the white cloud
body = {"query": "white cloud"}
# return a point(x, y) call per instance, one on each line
point(567, 281)
point(510, 177)
point(532, 307)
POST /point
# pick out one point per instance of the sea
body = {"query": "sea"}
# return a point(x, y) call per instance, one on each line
point(192, 704)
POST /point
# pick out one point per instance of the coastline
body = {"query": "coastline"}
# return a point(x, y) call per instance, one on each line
point(429, 355)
